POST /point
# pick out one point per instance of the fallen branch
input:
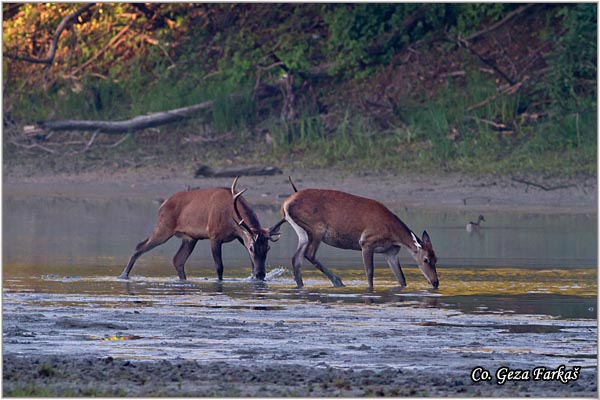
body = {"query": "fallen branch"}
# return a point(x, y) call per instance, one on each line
point(89, 144)
point(208, 172)
point(133, 124)
point(462, 42)
point(202, 139)
point(54, 43)
point(496, 125)
point(509, 90)
point(504, 20)
point(144, 121)
point(537, 185)
point(33, 146)
point(118, 142)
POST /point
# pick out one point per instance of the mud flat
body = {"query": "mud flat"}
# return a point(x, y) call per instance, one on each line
point(77, 376)
point(99, 336)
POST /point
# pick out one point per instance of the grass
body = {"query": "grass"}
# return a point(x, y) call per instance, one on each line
point(443, 133)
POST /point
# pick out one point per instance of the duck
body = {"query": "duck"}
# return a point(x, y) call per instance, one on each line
point(474, 226)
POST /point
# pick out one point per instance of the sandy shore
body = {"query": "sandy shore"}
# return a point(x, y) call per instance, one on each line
point(452, 191)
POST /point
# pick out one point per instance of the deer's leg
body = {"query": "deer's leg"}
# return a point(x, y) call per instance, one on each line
point(251, 263)
point(186, 248)
point(297, 259)
point(309, 254)
point(142, 248)
point(367, 254)
point(297, 263)
point(215, 246)
point(394, 262)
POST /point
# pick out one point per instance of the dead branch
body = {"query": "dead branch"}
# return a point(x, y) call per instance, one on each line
point(54, 43)
point(203, 139)
point(506, 91)
point(462, 42)
point(110, 44)
point(537, 185)
point(498, 24)
point(89, 144)
point(207, 171)
point(141, 121)
point(496, 125)
point(133, 124)
point(33, 146)
point(118, 142)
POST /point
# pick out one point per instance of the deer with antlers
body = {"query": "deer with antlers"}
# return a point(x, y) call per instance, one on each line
point(218, 214)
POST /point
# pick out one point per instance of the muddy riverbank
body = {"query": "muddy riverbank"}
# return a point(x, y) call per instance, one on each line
point(449, 191)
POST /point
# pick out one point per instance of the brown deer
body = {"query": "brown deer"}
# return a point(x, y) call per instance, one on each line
point(347, 221)
point(220, 215)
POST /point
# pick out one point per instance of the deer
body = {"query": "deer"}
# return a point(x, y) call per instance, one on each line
point(220, 215)
point(347, 221)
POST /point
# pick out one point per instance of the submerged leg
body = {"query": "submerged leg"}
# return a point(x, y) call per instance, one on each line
point(186, 248)
point(215, 246)
point(367, 254)
point(297, 259)
point(310, 253)
point(297, 263)
point(140, 249)
point(394, 262)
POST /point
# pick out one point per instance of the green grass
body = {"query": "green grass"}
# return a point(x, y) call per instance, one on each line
point(443, 133)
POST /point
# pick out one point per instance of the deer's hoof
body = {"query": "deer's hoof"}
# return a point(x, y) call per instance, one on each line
point(124, 277)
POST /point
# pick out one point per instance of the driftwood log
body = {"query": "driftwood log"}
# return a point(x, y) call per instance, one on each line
point(150, 120)
point(204, 171)
point(133, 124)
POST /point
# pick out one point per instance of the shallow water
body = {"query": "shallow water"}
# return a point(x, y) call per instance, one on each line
point(522, 291)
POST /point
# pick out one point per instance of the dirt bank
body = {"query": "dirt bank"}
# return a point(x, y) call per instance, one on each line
point(450, 191)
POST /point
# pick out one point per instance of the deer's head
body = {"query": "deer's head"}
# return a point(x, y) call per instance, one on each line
point(425, 258)
point(256, 239)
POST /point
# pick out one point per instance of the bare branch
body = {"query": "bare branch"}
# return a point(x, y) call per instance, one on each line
point(504, 20)
point(507, 91)
point(136, 123)
point(54, 43)
point(462, 42)
point(141, 121)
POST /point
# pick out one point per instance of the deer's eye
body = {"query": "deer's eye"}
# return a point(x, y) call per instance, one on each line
point(426, 260)
point(251, 248)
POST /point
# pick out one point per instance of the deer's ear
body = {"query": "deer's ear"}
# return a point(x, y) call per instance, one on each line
point(416, 240)
point(274, 236)
point(426, 238)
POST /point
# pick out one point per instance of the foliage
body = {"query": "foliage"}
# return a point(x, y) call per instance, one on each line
point(125, 59)
point(571, 81)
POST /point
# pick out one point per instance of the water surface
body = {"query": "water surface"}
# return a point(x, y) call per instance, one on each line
point(522, 291)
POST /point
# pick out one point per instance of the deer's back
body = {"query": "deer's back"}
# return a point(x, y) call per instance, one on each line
point(199, 213)
point(341, 217)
